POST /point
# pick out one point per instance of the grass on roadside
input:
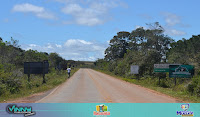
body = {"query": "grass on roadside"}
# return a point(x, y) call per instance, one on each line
point(53, 79)
point(179, 91)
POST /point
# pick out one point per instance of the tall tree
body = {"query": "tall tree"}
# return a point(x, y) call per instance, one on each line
point(118, 46)
point(54, 59)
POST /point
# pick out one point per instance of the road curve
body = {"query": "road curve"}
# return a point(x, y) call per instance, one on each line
point(90, 86)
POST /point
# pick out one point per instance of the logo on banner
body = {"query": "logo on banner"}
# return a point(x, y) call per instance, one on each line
point(14, 109)
point(185, 113)
point(101, 110)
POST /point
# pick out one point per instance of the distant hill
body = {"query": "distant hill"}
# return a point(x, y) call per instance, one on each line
point(88, 62)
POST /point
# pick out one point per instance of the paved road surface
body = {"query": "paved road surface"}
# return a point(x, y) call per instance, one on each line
point(90, 86)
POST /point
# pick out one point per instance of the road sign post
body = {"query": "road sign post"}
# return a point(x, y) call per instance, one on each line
point(161, 76)
point(28, 72)
point(43, 72)
point(36, 68)
point(175, 81)
point(162, 68)
point(135, 70)
point(159, 81)
point(181, 71)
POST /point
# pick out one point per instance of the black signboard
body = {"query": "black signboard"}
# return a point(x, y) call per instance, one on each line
point(36, 67)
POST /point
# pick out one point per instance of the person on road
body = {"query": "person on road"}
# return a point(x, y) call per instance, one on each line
point(68, 70)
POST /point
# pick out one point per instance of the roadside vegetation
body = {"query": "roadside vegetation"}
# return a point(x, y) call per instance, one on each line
point(22, 88)
point(14, 83)
point(146, 47)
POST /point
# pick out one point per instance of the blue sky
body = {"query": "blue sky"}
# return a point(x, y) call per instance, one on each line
point(81, 29)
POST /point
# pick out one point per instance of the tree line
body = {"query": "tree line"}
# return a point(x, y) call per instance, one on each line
point(146, 47)
point(12, 59)
point(12, 54)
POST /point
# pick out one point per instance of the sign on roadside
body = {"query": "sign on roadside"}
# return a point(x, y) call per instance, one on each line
point(162, 67)
point(36, 67)
point(134, 69)
point(181, 71)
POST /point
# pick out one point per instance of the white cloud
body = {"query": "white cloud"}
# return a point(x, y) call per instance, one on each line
point(174, 32)
point(32, 45)
point(76, 42)
point(81, 12)
point(85, 42)
point(72, 8)
point(83, 16)
point(58, 46)
point(91, 58)
point(49, 46)
point(38, 11)
point(89, 13)
point(28, 8)
point(75, 49)
point(171, 19)
point(67, 1)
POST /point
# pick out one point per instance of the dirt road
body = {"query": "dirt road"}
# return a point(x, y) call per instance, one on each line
point(90, 86)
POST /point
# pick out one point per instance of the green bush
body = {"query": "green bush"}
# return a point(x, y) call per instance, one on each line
point(194, 86)
point(2, 89)
point(163, 83)
point(197, 90)
point(13, 85)
point(37, 84)
point(181, 88)
point(29, 85)
point(56, 82)
point(112, 66)
point(190, 88)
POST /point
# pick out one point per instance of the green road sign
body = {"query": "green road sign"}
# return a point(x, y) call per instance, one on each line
point(181, 71)
point(162, 67)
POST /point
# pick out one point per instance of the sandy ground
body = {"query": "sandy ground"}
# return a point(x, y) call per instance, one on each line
point(90, 86)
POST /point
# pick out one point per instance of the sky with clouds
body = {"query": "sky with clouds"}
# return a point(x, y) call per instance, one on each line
point(81, 29)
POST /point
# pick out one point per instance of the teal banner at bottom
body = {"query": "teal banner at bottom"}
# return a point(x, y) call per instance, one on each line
point(100, 110)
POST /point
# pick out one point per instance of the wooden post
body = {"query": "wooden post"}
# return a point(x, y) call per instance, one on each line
point(29, 72)
point(28, 77)
point(137, 76)
point(175, 81)
point(43, 67)
point(159, 80)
